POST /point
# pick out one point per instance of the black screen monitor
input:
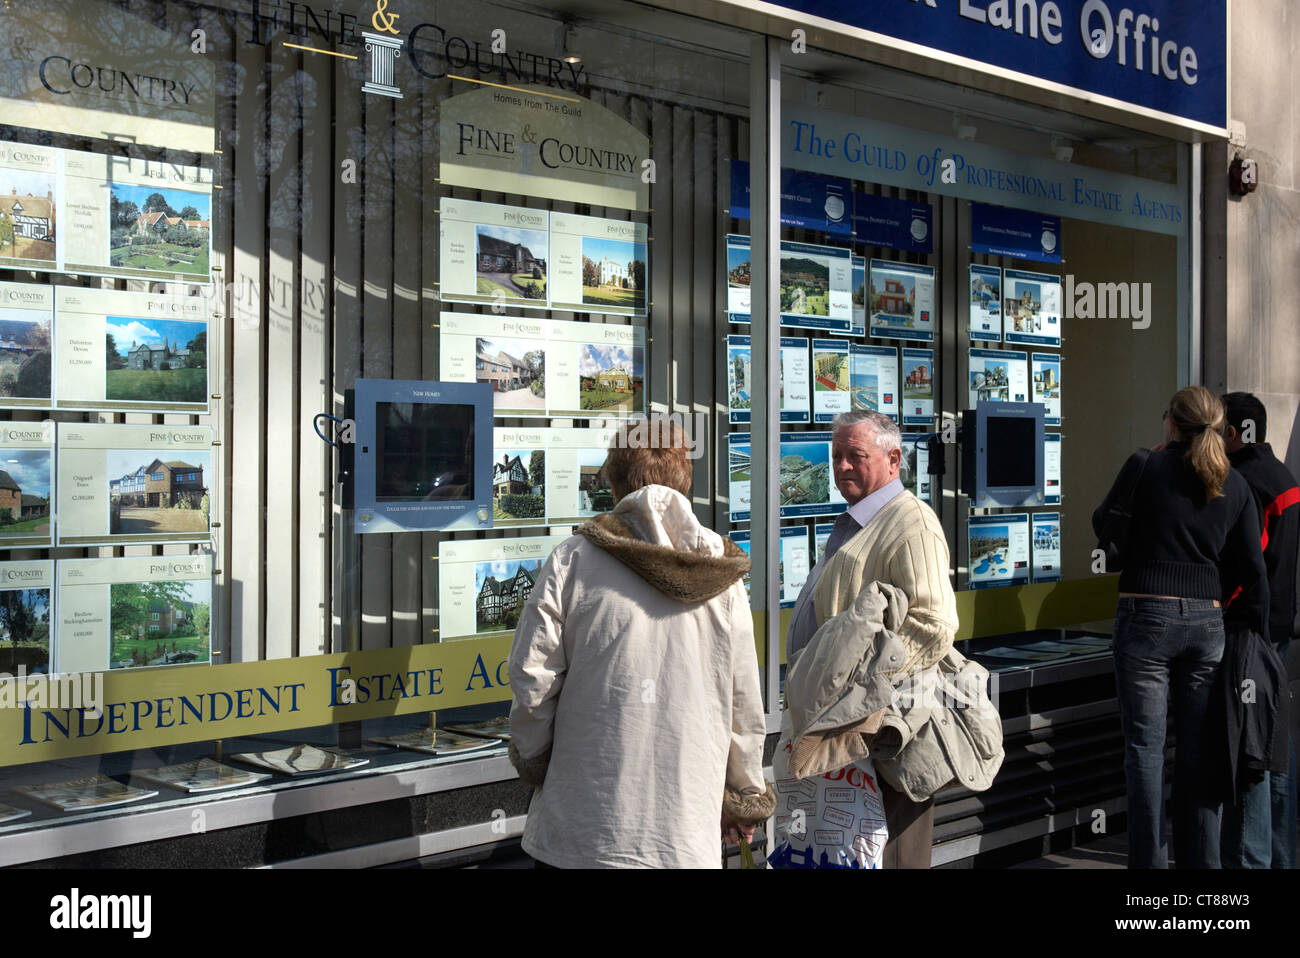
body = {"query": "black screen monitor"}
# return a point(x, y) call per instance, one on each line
point(1002, 454)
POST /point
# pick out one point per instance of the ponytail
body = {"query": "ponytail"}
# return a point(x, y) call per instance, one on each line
point(1198, 415)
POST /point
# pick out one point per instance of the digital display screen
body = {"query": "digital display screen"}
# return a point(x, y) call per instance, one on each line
point(1010, 452)
point(424, 452)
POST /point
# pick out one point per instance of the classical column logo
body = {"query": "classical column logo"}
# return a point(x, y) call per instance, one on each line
point(384, 48)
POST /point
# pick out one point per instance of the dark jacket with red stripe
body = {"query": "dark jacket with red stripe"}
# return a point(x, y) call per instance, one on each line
point(1277, 501)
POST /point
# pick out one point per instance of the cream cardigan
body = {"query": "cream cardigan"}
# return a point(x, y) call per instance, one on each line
point(903, 545)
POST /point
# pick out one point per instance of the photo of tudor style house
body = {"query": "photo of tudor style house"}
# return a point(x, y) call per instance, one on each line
point(25, 494)
point(24, 355)
point(516, 371)
point(512, 262)
point(613, 273)
point(519, 487)
point(28, 215)
point(153, 495)
point(155, 360)
point(159, 228)
point(501, 589)
point(160, 623)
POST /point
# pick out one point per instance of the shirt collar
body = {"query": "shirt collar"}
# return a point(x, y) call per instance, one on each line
point(865, 509)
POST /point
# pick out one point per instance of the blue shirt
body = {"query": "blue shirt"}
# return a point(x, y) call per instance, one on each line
point(803, 621)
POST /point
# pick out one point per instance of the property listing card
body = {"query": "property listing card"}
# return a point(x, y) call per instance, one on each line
point(1052, 468)
point(806, 484)
point(998, 550)
point(139, 219)
point(1031, 308)
point(816, 285)
point(26, 484)
point(577, 487)
point(1047, 385)
point(31, 200)
point(598, 265)
point(26, 342)
point(830, 378)
point(133, 612)
point(27, 595)
point(859, 296)
point(795, 561)
point(986, 303)
point(484, 583)
point(794, 380)
point(1047, 546)
point(901, 301)
point(875, 378)
point(821, 535)
point(490, 253)
point(133, 484)
point(918, 387)
point(547, 368)
point(738, 476)
point(998, 375)
point(120, 350)
point(917, 455)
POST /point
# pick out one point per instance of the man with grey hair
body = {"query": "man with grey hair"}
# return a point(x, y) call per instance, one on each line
point(886, 535)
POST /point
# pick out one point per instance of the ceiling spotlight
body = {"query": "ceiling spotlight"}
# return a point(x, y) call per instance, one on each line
point(1062, 150)
point(565, 54)
point(964, 128)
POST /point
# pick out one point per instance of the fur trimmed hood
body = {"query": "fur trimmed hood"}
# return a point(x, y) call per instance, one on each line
point(655, 534)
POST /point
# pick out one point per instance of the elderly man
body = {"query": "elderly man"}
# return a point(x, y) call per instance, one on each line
point(887, 535)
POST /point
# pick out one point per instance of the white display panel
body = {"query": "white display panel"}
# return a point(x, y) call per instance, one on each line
point(998, 550)
point(815, 283)
point(26, 344)
point(738, 466)
point(794, 562)
point(576, 489)
point(998, 375)
point(859, 296)
point(27, 593)
point(917, 454)
point(26, 484)
point(874, 378)
point(139, 219)
point(598, 265)
point(821, 535)
point(1031, 308)
point(490, 253)
point(1047, 546)
point(1046, 376)
point(796, 402)
point(918, 387)
point(483, 583)
point(544, 368)
point(1052, 468)
point(985, 303)
point(831, 379)
point(901, 301)
point(120, 350)
point(133, 612)
point(123, 484)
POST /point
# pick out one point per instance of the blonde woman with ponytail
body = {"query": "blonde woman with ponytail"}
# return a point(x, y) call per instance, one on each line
point(1192, 547)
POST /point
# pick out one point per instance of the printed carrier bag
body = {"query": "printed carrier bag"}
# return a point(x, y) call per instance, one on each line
point(836, 820)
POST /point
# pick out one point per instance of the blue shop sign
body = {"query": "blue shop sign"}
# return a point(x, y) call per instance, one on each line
point(1018, 234)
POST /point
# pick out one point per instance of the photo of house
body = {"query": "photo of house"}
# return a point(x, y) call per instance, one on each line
point(25, 630)
point(893, 302)
point(991, 381)
point(738, 267)
point(594, 493)
point(613, 273)
point(830, 371)
point(805, 284)
point(151, 494)
point(160, 623)
point(24, 355)
point(1024, 307)
point(611, 378)
point(155, 360)
point(738, 377)
point(25, 494)
point(738, 462)
point(28, 216)
point(1047, 382)
point(511, 262)
point(516, 370)
point(519, 487)
point(159, 228)
point(501, 588)
point(917, 379)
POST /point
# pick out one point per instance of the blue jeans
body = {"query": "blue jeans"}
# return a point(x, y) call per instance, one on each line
point(1283, 798)
point(1163, 646)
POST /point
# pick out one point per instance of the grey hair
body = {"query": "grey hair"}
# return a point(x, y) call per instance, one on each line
point(888, 436)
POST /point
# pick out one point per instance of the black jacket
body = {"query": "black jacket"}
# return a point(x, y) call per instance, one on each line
point(1277, 505)
point(1255, 702)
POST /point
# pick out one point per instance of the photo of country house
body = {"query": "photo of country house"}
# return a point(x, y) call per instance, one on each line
point(519, 487)
point(158, 228)
point(893, 303)
point(25, 630)
point(501, 588)
point(27, 216)
point(160, 623)
point(738, 267)
point(805, 473)
point(611, 378)
point(515, 369)
point(918, 381)
point(25, 494)
point(24, 355)
point(155, 360)
point(594, 493)
point(152, 494)
point(805, 284)
point(613, 274)
point(511, 262)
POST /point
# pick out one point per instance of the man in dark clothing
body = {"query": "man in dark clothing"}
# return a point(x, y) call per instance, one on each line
point(1261, 831)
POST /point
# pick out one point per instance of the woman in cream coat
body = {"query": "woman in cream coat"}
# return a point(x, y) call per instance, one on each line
point(637, 712)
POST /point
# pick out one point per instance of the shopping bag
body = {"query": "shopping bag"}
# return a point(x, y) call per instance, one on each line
point(835, 820)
